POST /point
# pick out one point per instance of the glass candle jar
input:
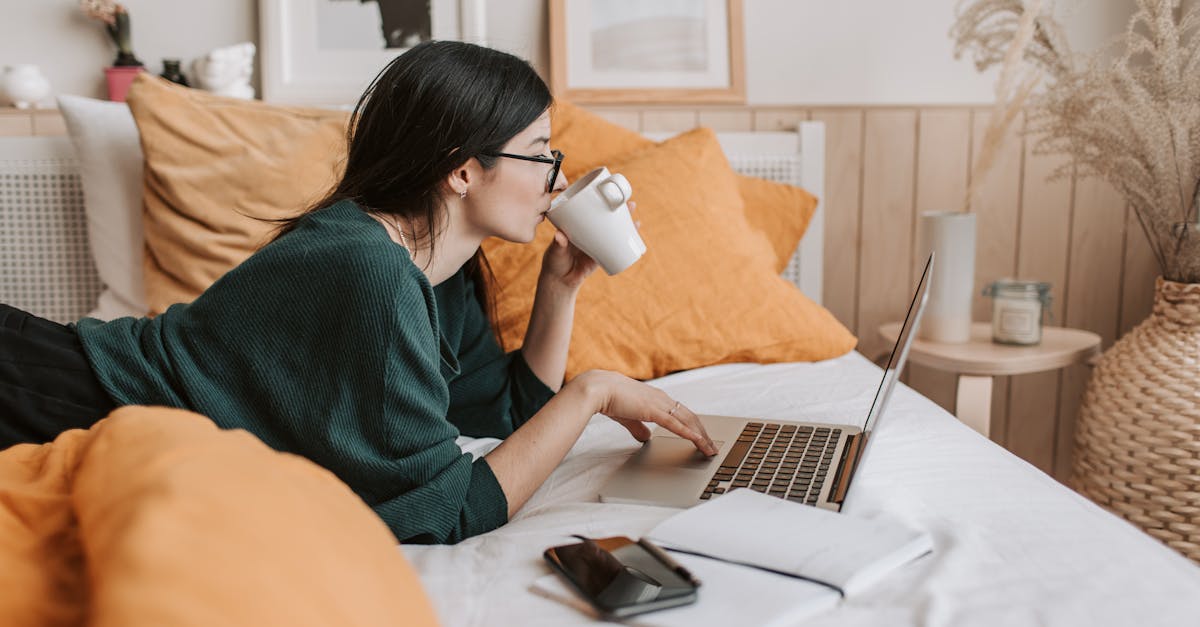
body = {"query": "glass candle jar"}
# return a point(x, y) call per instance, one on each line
point(1017, 310)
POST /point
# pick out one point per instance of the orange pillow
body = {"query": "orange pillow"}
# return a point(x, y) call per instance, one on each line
point(781, 212)
point(213, 165)
point(186, 524)
point(154, 516)
point(706, 291)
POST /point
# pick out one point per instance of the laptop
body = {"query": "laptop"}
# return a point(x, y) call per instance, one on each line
point(806, 462)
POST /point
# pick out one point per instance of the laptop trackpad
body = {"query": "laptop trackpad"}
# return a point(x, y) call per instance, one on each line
point(672, 452)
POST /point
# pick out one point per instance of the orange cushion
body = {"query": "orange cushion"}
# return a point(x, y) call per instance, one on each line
point(41, 579)
point(214, 165)
point(781, 212)
point(156, 517)
point(706, 292)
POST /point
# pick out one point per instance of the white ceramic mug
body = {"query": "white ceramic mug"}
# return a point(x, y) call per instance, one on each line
point(594, 213)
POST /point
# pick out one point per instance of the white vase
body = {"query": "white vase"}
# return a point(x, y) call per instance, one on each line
point(951, 235)
point(25, 85)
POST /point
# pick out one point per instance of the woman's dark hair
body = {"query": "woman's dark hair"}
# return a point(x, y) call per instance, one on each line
point(427, 113)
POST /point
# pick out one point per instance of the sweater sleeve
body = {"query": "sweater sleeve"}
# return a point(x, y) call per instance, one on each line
point(495, 392)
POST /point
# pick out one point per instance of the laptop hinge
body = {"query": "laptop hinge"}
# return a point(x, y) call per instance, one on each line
point(846, 468)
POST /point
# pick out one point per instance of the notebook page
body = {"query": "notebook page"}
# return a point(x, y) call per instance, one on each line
point(748, 527)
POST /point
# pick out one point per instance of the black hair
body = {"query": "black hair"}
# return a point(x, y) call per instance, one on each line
point(428, 112)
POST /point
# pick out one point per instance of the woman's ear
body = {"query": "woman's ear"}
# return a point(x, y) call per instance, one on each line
point(464, 176)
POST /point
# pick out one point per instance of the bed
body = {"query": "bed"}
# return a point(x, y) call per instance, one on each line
point(1012, 546)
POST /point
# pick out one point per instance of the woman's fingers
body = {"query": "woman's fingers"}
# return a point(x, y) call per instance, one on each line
point(682, 422)
point(689, 417)
point(628, 401)
point(637, 429)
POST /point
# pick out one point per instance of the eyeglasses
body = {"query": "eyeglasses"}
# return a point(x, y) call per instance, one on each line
point(556, 162)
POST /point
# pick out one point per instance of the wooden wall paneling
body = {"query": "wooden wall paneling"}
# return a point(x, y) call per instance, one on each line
point(943, 149)
point(779, 119)
point(668, 120)
point(943, 157)
point(889, 166)
point(843, 187)
point(997, 219)
point(997, 214)
point(1042, 255)
point(1140, 271)
point(727, 119)
point(629, 118)
point(15, 123)
point(1093, 298)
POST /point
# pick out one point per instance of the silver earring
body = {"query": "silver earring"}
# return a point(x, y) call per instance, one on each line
point(463, 195)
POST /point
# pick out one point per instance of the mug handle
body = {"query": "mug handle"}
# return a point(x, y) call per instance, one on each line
point(616, 190)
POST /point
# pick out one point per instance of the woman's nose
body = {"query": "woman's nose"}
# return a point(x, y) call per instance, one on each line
point(560, 183)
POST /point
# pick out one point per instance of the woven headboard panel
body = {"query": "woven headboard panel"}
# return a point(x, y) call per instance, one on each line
point(46, 267)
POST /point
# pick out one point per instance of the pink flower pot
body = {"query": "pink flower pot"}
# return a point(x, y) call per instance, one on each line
point(119, 79)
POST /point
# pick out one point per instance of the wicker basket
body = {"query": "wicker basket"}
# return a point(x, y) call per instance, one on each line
point(1138, 435)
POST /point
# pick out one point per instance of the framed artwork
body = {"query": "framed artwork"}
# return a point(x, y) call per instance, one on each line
point(326, 52)
point(614, 51)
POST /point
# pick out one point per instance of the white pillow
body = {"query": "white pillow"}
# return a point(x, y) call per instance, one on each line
point(110, 169)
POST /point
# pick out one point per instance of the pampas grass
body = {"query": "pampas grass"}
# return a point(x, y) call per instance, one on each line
point(982, 26)
point(1133, 120)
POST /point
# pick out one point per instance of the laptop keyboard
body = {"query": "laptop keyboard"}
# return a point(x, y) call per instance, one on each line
point(785, 460)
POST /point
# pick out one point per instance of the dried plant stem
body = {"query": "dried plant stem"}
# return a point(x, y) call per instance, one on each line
point(1009, 102)
point(1133, 121)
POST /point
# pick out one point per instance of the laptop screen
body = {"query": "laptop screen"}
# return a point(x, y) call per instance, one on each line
point(900, 351)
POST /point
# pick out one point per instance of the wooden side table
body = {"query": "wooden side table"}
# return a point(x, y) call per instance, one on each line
point(977, 361)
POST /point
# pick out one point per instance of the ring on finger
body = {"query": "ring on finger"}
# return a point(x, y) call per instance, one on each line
point(674, 409)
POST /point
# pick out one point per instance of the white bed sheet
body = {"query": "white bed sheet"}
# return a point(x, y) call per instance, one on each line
point(1012, 546)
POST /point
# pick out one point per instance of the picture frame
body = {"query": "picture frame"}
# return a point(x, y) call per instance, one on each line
point(299, 66)
point(624, 51)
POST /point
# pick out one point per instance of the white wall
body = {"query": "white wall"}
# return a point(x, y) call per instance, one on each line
point(73, 50)
point(797, 51)
point(880, 51)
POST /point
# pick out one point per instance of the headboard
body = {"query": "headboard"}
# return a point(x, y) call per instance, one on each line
point(796, 158)
point(47, 268)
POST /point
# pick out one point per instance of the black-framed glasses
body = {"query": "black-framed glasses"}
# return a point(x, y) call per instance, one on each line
point(556, 162)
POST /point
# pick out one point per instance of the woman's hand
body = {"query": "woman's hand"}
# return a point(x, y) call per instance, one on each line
point(564, 265)
point(633, 403)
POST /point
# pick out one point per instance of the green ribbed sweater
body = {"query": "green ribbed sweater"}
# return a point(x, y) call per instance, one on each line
point(330, 343)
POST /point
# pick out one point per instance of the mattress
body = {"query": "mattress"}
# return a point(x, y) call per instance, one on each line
point(1012, 545)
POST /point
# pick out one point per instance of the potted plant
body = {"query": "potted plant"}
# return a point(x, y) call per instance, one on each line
point(1131, 115)
point(126, 66)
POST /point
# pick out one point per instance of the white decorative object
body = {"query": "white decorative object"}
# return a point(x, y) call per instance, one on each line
point(302, 65)
point(951, 235)
point(25, 85)
point(226, 71)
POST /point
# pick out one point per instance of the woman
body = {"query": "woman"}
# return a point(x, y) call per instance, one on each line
point(358, 338)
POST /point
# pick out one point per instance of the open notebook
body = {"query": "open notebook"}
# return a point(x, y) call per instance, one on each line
point(843, 552)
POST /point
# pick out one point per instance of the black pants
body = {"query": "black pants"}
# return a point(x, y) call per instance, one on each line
point(46, 382)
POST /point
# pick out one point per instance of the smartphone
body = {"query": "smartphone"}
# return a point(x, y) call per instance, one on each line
point(621, 577)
